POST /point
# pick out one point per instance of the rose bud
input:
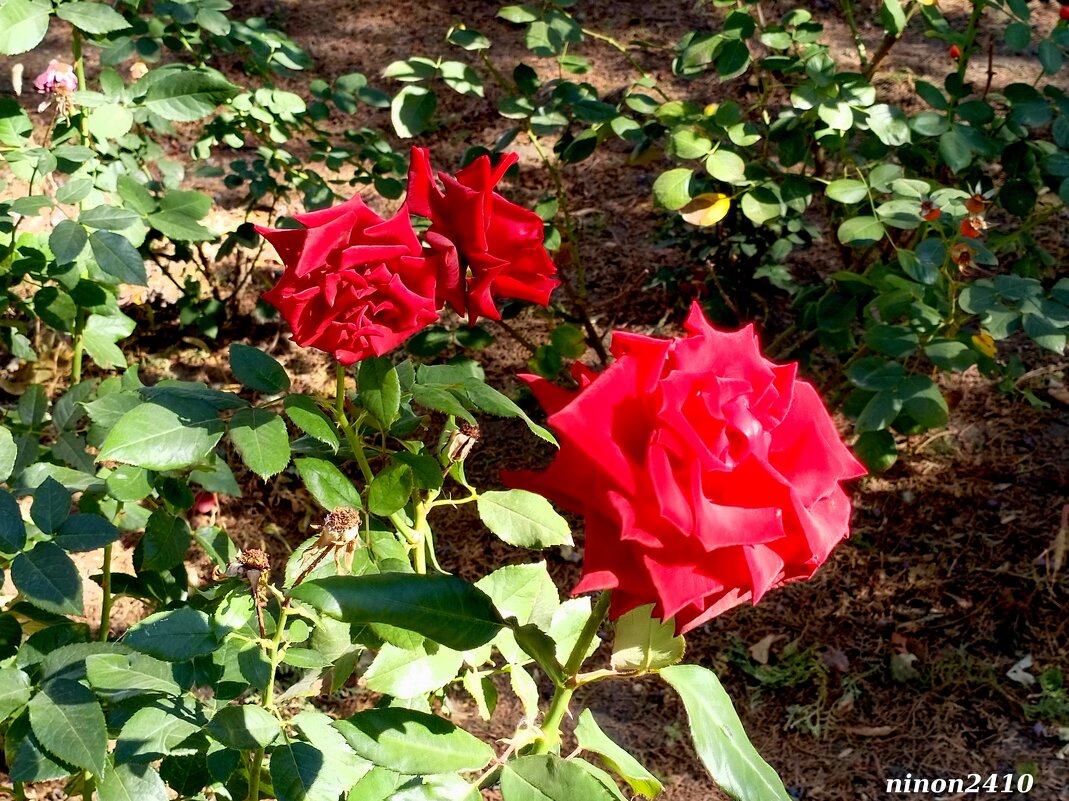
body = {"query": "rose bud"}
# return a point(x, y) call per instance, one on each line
point(205, 502)
point(1063, 12)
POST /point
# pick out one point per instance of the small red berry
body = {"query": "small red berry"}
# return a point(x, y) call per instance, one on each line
point(1063, 12)
point(955, 52)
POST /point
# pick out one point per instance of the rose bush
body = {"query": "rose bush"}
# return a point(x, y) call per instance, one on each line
point(355, 285)
point(485, 245)
point(706, 474)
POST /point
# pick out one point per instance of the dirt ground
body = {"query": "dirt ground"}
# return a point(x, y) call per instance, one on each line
point(916, 649)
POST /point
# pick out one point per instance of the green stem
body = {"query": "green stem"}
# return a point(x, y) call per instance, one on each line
point(268, 701)
point(859, 43)
point(79, 348)
point(254, 775)
point(966, 52)
point(105, 604)
point(339, 393)
point(562, 695)
point(79, 71)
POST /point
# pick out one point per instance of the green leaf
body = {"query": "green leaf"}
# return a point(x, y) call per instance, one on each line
point(100, 335)
point(51, 505)
point(85, 533)
point(186, 95)
point(110, 122)
point(125, 782)
point(108, 218)
point(671, 190)
point(244, 727)
point(547, 777)
point(412, 110)
point(23, 24)
point(955, 149)
point(523, 519)
point(879, 412)
point(440, 607)
point(8, 452)
point(380, 390)
point(155, 731)
point(409, 673)
point(440, 400)
point(178, 216)
point(592, 738)
point(1018, 35)
point(12, 527)
point(413, 742)
point(69, 722)
point(489, 400)
point(468, 38)
point(92, 17)
point(122, 675)
point(726, 166)
point(720, 739)
point(170, 433)
point(860, 231)
point(876, 450)
point(261, 439)
point(892, 340)
point(67, 241)
point(48, 579)
point(118, 258)
point(922, 400)
point(391, 489)
point(847, 190)
point(165, 542)
point(330, 487)
point(301, 772)
point(175, 636)
point(14, 691)
point(306, 414)
point(645, 644)
point(258, 370)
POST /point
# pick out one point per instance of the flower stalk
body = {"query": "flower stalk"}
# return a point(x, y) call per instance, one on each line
point(562, 695)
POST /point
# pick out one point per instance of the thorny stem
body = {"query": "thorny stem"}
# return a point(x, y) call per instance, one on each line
point(578, 294)
point(562, 695)
point(512, 332)
point(623, 50)
point(339, 393)
point(105, 588)
point(966, 53)
point(268, 701)
point(859, 44)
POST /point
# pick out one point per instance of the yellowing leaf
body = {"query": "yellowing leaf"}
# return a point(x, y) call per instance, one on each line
point(984, 343)
point(706, 209)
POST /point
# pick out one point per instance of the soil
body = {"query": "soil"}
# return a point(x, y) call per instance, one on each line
point(915, 649)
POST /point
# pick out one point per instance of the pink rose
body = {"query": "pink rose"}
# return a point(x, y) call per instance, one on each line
point(59, 78)
point(355, 285)
point(484, 245)
point(706, 474)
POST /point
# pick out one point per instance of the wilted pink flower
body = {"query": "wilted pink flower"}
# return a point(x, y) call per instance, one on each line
point(59, 78)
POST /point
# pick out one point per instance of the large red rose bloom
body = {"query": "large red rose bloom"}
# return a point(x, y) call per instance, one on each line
point(484, 246)
point(355, 285)
point(706, 474)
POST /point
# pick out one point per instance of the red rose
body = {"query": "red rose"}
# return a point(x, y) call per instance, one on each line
point(707, 475)
point(355, 285)
point(484, 246)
